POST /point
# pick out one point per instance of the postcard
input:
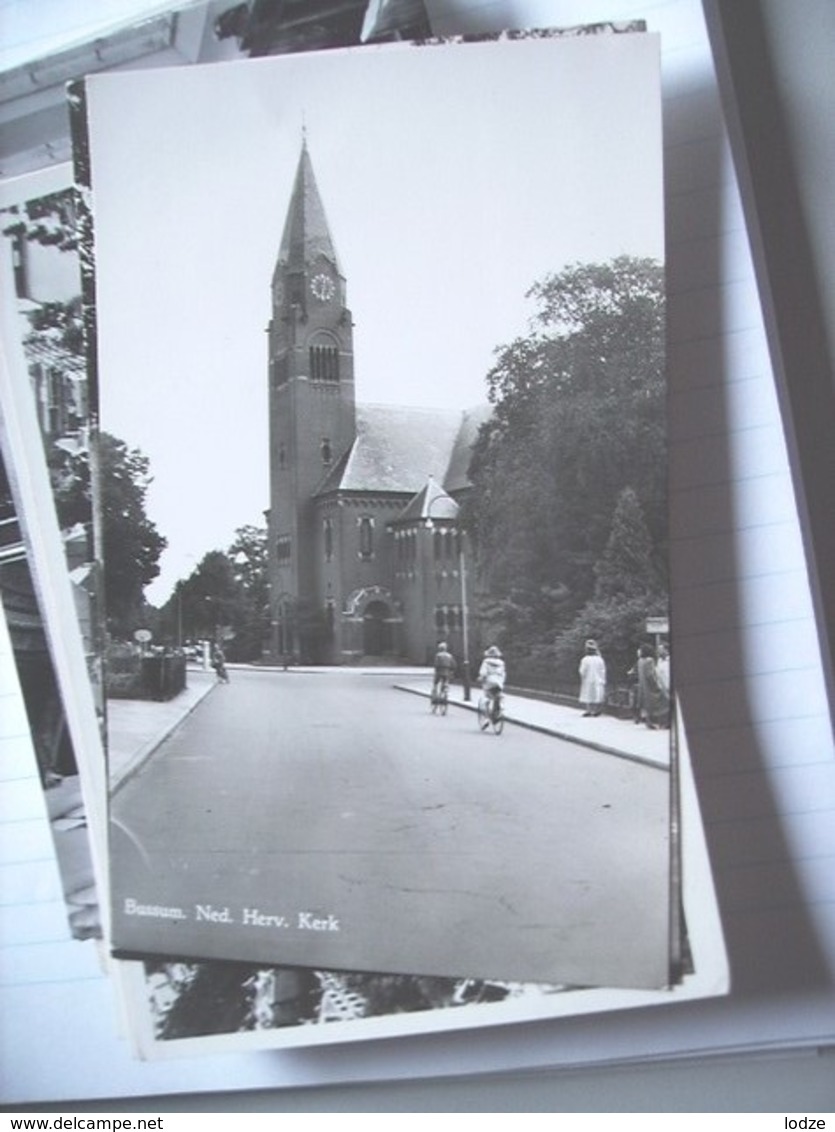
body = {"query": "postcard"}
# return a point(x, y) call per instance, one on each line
point(381, 369)
point(47, 519)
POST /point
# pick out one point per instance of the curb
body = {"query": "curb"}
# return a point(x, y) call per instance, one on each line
point(543, 729)
point(140, 757)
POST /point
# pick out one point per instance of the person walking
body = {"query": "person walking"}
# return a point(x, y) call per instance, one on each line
point(634, 690)
point(650, 697)
point(592, 680)
point(662, 671)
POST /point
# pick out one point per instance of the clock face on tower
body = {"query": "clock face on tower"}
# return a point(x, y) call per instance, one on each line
point(322, 287)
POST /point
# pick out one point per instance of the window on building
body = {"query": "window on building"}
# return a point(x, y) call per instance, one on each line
point(283, 548)
point(366, 526)
point(326, 450)
point(448, 618)
point(324, 363)
point(327, 529)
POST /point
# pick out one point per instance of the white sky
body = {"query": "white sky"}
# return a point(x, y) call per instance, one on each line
point(452, 177)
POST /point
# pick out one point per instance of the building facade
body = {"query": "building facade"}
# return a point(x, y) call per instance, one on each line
point(367, 560)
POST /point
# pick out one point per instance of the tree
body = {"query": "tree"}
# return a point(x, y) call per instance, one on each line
point(226, 596)
point(131, 543)
point(248, 555)
point(628, 590)
point(206, 603)
point(580, 413)
point(626, 568)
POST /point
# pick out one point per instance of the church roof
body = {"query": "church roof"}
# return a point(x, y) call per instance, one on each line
point(430, 503)
point(397, 448)
point(456, 478)
point(306, 232)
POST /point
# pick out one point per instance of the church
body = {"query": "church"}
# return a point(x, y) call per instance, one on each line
point(367, 561)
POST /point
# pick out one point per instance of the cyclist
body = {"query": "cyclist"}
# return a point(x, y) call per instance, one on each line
point(444, 668)
point(492, 675)
point(219, 664)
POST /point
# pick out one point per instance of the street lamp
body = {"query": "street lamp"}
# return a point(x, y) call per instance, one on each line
point(462, 575)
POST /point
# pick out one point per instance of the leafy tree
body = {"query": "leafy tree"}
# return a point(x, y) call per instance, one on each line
point(131, 543)
point(248, 555)
point(207, 600)
point(628, 590)
point(226, 596)
point(626, 568)
point(579, 414)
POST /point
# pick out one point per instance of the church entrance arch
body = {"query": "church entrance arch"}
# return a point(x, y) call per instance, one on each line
point(376, 629)
point(371, 624)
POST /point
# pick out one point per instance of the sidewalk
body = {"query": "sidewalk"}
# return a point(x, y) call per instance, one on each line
point(604, 733)
point(137, 727)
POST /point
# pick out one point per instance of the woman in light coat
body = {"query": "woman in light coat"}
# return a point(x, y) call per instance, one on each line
point(592, 680)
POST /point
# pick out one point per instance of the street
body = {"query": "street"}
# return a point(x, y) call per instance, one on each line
point(327, 819)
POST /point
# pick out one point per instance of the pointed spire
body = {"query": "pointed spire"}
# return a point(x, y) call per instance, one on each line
point(306, 232)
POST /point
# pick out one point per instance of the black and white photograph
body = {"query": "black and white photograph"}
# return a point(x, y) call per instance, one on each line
point(46, 430)
point(381, 375)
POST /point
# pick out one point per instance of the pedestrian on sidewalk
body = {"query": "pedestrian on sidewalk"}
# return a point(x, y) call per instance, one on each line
point(592, 680)
point(634, 691)
point(650, 695)
point(662, 670)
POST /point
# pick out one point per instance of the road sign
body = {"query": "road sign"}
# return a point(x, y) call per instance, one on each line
point(658, 625)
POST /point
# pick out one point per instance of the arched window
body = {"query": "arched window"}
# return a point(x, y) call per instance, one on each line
point(366, 526)
point(324, 358)
point(327, 527)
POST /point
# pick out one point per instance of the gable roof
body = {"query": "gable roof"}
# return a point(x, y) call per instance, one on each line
point(398, 448)
point(430, 503)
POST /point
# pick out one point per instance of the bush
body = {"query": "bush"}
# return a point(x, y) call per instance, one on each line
point(618, 626)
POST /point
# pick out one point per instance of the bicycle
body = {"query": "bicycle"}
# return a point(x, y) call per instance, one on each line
point(491, 710)
point(440, 695)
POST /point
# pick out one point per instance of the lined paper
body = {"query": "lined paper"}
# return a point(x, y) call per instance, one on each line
point(746, 663)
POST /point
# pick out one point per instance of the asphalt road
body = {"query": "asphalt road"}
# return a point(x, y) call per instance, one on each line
point(330, 820)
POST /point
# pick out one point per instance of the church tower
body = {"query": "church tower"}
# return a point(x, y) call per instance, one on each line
point(311, 402)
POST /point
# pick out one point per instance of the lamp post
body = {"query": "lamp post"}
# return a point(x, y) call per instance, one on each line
point(465, 660)
point(462, 576)
point(179, 615)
